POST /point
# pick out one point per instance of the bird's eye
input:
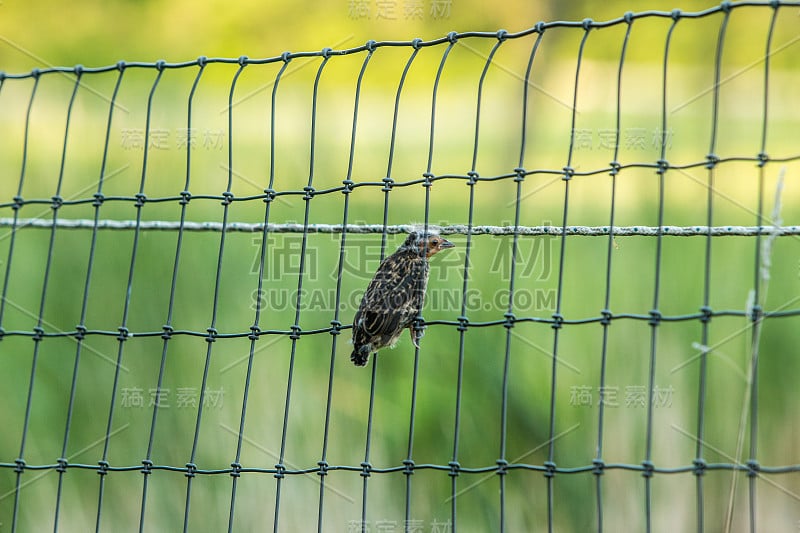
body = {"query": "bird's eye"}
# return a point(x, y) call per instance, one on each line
point(435, 242)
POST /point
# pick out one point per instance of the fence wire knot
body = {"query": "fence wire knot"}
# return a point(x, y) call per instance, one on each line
point(756, 313)
point(753, 468)
point(455, 468)
point(296, 331)
point(700, 466)
point(655, 317)
point(649, 469)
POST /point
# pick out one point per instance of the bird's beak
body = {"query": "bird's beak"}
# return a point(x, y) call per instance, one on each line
point(445, 244)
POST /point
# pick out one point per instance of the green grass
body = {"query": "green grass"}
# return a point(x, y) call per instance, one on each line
point(674, 424)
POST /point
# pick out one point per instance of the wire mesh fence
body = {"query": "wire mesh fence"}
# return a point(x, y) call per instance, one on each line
point(582, 368)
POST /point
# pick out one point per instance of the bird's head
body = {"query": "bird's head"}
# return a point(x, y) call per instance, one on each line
point(427, 243)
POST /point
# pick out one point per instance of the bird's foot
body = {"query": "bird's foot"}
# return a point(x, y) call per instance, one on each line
point(415, 336)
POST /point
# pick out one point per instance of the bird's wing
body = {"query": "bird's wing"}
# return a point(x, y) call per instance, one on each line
point(394, 296)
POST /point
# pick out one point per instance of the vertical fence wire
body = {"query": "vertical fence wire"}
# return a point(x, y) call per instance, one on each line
point(454, 464)
point(418, 326)
point(336, 323)
point(759, 297)
point(655, 313)
point(81, 327)
point(388, 181)
point(557, 316)
point(502, 462)
point(19, 462)
point(255, 329)
point(56, 205)
point(598, 462)
point(211, 338)
point(147, 462)
point(706, 307)
point(123, 328)
point(295, 336)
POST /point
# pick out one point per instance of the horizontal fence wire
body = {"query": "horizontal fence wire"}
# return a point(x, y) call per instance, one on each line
point(766, 226)
point(586, 24)
point(454, 229)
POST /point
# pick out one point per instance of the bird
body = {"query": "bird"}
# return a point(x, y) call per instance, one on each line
point(395, 295)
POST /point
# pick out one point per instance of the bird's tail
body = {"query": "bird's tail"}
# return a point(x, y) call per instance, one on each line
point(360, 354)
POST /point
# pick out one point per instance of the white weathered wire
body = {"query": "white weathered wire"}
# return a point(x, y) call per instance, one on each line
point(454, 229)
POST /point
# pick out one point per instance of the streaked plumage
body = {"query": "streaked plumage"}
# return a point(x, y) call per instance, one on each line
point(395, 295)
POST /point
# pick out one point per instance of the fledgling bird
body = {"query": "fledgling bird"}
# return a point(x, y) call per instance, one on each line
point(395, 295)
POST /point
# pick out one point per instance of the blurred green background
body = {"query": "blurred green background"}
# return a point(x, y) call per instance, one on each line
point(102, 33)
